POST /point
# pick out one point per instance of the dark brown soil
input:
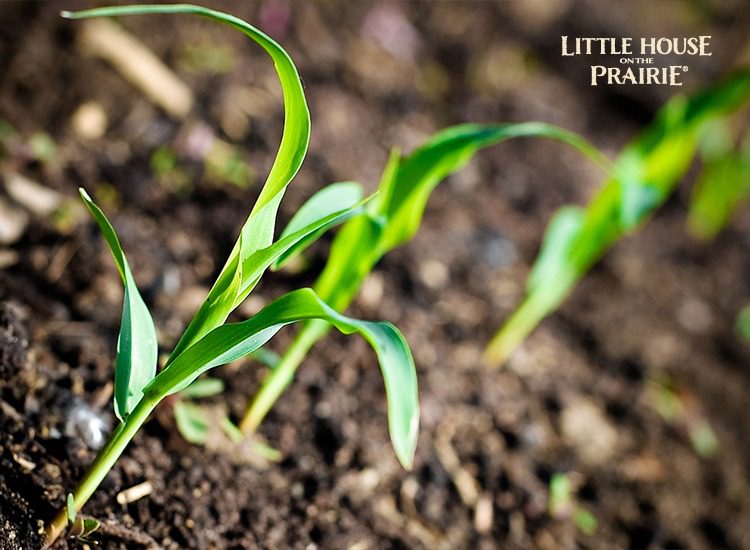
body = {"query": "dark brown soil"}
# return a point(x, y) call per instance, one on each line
point(580, 397)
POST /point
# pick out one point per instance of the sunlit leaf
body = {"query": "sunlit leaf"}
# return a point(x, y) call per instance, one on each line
point(723, 184)
point(135, 363)
point(330, 199)
point(257, 233)
point(646, 173)
point(70, 507)
point(743, 323)
point(191, 422)
point(392, 219)
point(204, 387)
point(235, 340)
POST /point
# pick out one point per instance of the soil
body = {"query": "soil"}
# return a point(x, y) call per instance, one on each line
point(652, 322)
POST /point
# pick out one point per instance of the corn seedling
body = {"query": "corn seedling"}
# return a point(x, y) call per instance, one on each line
point(742, 323)
point(645, 174)
point(389, 221)
point(197, 423)
point(191, 419)
point(640, 181)
point(209, 341)
point(724, 182)
point(680, 408)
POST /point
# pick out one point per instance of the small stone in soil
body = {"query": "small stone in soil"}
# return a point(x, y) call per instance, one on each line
point(87, 424)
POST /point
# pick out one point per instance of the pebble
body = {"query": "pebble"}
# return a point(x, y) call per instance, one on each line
point(87, 424)
point(695, 316)
point(585, 427)
point(33, 196)
point(434, 274)
point(13, 222)
point(497, 251)
point(372, 290)
point(90, 120)
point(483, 514)
point(8, 258)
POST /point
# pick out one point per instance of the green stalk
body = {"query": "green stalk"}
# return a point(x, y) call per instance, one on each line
point(523, 321)
point(279, 379)
point(104, 461)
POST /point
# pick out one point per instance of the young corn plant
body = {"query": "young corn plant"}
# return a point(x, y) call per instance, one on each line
point(639, 182)
point(645, 174)
point(724, 183)
point(389, 221)
point(209, 341)
point(742, 324)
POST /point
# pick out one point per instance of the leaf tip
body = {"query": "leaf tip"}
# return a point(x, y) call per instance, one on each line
point(406, 448)
point(65, 14)
point(407, 462)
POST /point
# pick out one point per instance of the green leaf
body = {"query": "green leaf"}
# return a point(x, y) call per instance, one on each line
point(723, 184)
point(250, 273)
point(585, 521)
point(392, 219)
point(191, 422)
point(404, 189)
point(646, 173)
point(70, 508)
point(89, 526)
point(351, 259)
point(266, 357)
point(264, 450)
point(83, 527)
point(703, 438)
point(552, 263)
point(231, 431)
point(135, 362)
point(743, 323)
point(257, 233)
point(205, 387)
point(411, 183)
point(235, 340)
point(330, 199)
point(560, 495)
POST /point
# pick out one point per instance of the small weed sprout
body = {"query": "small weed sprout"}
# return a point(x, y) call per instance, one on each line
point(562, 504)
point(79, 527)
point(209, 341)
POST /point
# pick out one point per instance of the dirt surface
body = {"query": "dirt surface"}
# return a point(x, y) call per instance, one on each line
point(649, 331)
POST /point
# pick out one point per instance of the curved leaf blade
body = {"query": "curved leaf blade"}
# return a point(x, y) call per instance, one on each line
point(236, 340)
point(646, 173)
point(257, 233)
point(742, 323)
point(447, 152)
point(392, 219)
point(724, 182)
point(191, 421)
point(404, 189)
point(330, 199)
point(205, 387)
point(135, 362)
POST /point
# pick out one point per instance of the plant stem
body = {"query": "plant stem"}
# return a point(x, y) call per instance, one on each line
point(282, 375)
point(516, 329)
point(102, 464)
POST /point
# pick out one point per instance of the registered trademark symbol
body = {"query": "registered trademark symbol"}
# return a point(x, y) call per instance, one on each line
point(685, 68)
